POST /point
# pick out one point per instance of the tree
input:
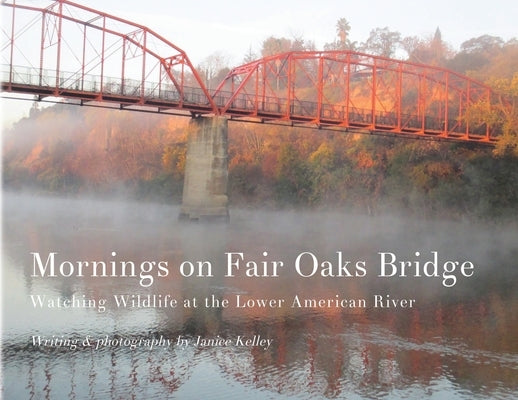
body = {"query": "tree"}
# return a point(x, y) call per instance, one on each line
point(507, 110)
point(249, 56)
point(501, 114)
point(342, 30)
point(487, 44)
point(382, 42)
point(502, 62)
point(173, 159)
point(274, 45)
point(342, 42)
point(433, 51)
point(213, 67)
point(329, 171)
point(476, 54)
point(293, 185)
point(410, 44)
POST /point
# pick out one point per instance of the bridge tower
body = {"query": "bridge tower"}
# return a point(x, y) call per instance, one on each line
point(205, 195)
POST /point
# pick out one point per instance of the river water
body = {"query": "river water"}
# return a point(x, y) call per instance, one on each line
point(230, 322)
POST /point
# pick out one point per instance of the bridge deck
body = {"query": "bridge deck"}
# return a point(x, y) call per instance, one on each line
point(331, 116)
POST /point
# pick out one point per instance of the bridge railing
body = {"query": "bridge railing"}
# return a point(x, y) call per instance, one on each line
point(245, 104)
point(68, 82)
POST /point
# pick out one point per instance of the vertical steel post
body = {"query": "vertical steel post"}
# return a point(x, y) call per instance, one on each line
point(42, 48)
point(399, 95)
point(182, 77)
point(58, 61)
point(446, 102)
point(459, 116)
point(422, 101)
point(123, 66)
point(84, 60)
point(348, 89)
point(102, 57)
point(256, 105)
point(144, 51)
point(12, 44)
point(488, 130)
point(289, 97)
point(160, 74)
point(468, 100)
point(320, 88)
point(373, 94)
point(264, 84)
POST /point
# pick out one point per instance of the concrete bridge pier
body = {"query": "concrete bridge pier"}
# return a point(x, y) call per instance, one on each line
point(205, 195)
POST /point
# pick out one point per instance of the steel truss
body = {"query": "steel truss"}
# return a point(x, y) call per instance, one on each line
point(352, 90)
point(70, 51)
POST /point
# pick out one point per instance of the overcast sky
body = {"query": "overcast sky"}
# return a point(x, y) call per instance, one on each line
point(201, 27)
point(231, 27)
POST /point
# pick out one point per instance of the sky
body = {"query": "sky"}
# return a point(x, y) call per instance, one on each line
point(233, 28)
point(202, 27)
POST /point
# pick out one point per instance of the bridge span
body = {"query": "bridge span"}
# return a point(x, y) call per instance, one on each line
point(87, 57)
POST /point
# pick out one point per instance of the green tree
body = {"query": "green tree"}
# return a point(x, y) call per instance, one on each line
point(343, 28)
point(293, 185)
point(491, 186)
point(329, 172)
point(476, 53)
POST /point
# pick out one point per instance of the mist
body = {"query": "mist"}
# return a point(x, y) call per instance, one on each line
point(91, 228)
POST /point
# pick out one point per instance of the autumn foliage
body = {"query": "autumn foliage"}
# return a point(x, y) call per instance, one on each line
point(70, 149)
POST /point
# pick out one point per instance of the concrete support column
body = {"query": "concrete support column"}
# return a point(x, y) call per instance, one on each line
point(206, 170)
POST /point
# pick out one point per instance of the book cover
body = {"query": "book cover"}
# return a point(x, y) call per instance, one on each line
point(285, 200)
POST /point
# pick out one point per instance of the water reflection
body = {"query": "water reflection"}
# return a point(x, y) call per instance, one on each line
point(455, 343)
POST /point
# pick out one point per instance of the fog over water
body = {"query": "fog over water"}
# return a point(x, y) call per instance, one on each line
point(451, 342)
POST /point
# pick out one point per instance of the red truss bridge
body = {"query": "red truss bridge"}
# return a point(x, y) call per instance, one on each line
point(70, 51)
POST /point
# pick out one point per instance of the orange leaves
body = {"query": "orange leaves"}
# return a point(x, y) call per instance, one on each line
point(365, 160)
point(100, 147)
point(427, 176)
point(173, 160)
point(33, 157)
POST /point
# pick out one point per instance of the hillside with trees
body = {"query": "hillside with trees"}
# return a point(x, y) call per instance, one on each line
point(78, 150)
